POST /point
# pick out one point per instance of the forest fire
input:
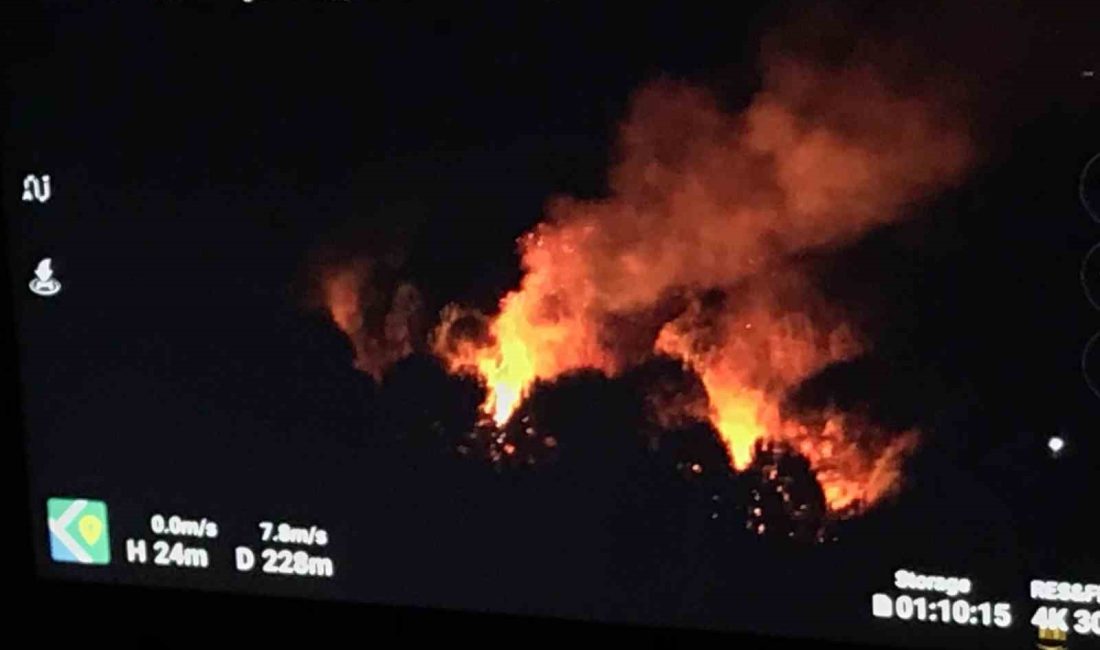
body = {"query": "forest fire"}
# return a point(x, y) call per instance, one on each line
point(713, 211)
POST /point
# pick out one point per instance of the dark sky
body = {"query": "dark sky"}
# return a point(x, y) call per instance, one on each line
point(201, 153)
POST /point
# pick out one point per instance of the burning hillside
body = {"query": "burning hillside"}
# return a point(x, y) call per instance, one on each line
point(695, 251)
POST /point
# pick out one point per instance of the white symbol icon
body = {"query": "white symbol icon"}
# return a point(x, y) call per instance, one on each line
point(36, 189)
point(44, 284)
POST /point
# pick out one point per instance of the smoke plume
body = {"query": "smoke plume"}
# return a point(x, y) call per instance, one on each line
point(383, 326)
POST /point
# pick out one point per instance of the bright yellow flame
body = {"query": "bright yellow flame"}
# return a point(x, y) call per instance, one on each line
point(736, 417)
point(510, 372)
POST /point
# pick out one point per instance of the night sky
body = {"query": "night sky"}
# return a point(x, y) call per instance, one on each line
point(202, 155)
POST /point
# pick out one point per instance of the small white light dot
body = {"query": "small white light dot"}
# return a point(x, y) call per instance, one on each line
point(1056, 444)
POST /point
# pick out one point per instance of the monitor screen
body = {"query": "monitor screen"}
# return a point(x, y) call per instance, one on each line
point(770, 318)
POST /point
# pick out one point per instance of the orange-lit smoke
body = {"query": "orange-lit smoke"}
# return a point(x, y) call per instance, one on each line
point(702, 199)
point(350, 296)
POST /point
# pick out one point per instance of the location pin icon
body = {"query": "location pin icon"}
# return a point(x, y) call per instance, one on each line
point(90, 528)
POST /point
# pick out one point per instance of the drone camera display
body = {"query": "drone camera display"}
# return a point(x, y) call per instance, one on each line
point(780, 319)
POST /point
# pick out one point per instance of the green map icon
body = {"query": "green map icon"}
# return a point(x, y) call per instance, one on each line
point(78, 531)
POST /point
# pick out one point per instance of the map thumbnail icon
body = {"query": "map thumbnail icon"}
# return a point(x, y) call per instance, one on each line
point(78, 531)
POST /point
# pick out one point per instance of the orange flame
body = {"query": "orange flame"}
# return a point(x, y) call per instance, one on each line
point(749, 364)
point(537, 335)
